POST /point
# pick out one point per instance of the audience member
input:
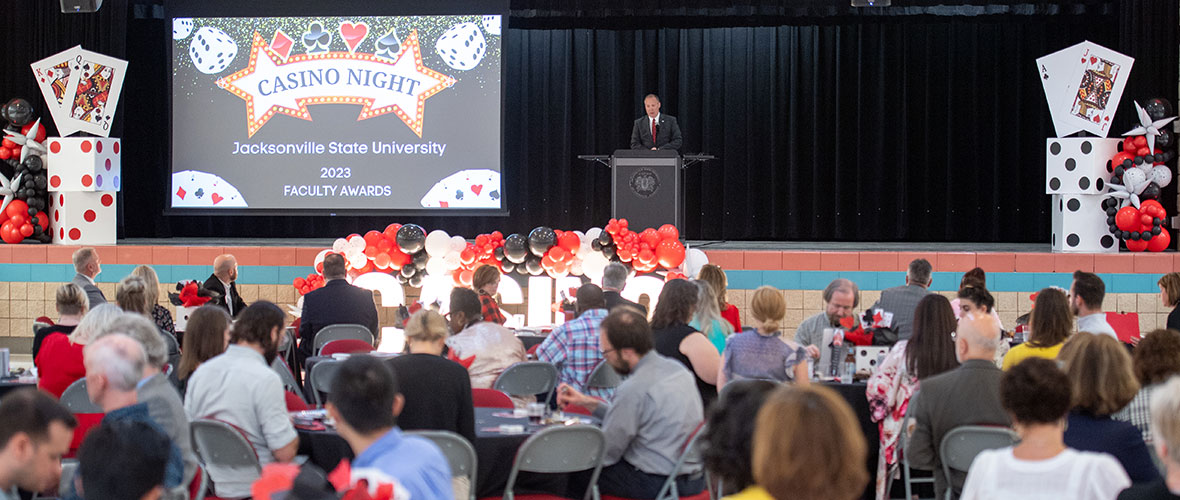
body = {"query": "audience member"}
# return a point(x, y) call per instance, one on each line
point(713, 275)
point(486, 281)
point(1037, 396)
point(71, 305)
point(802, 430)
point(132, 296)
point(123, 460)
point(224, 282)
point(841, 296)
point(88, 265)
point(365, 402)
point(437, 391)
point(706, 317)
point(973, 298)
point(976, 277)
point(494, 347)
point(154, 387)
point(573, 345)
point(159, 314)
point(1170, 296)
point(1050, 323)
point(655, 410)
point(729, 432)
point(967, 395)
point(1165, 423)
point(337, 302)
point(35, 431)
point(675, 339)
point(206, 335)
point(929, 352)
point(1085, 302)
point(1156, 359)
point(59, 363)
point(114, 367)
point(1102, 383)
point(238, 387)
point(614, 280)
point(763, 353)
point(901, 301)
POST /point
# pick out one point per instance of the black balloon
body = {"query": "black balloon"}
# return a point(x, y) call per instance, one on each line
point(595, 245)
point(1151, 192)
point(1164, 139)
point(33, 163)
point(516, 248)
point(420, 259)
point(533, 266)
point(541, 240)
point(1155, 230)
point(609, 252)
point(18, 112)
point(605, 238)
point(1158, 108)
point(408, 271)
point(416, 281)
point(498, 253)
point(411, 238)
point(508, 267)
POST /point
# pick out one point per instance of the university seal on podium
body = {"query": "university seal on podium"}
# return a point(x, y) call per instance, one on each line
point(645, 183)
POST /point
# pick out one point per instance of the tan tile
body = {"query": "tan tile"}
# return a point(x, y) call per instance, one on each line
point(869, 297)
point(789, 333)
point(1149, 302)
point(794, 299)
point(50, 290)
point(4, 328)
point(286, 294)
point(269, 292)
point(50, 308)
point(1008, 319)
point(794, 317)
point(812, 299)
point(108, 290)
point(35, 291)
point(1147, 322)
point(18, 290)
point(18, 308)
point(1127, 302)
point(1006, 301)
point(4, 290)
point(5, 307)
point(1161, 320)
point(15, 326)
point(36, 308)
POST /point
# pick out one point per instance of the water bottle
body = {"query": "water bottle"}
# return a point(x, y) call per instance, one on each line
point(849, 368)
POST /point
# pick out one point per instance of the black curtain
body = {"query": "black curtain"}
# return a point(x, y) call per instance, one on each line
point(915, 123)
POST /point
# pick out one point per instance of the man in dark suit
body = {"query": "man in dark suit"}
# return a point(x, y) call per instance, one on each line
point(901, 302)
point(614, 279)
point(224, 281)
point(338, 302)
point(967, 395)
point(88, 265)
point(662, 127)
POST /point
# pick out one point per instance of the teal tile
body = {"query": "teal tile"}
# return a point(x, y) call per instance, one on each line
point(186, 272)
point(287, 274)
point(945, 281)
point(1012, 282)
point(816, 280)
point(738, 280)
point(112, 273)
point(15, 272)
point(865, 280)
point(258, 275)
point(52, 273)
point(1045, 280)
point(782, 280)
point(889, 279)
point(1133, 283)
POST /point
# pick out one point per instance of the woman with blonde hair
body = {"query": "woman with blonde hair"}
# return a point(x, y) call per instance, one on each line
point(707, 319)
point(763, 353)
point(801, 430)
point(59, 363)
point(713, 275)
point(71, 304)
point(132, 296)
point(437, 390)
point(1051, 323)
point(159, 313)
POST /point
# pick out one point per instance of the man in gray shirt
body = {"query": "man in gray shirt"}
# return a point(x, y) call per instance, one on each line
point(841, 296)
point(88, 265)
point(901, 302)
point(654, 412)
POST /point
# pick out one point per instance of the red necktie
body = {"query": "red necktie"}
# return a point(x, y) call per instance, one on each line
point(653, 132)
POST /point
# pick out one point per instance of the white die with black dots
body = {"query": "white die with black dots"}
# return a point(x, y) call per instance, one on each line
point(1078, 165)
point(1079, 225)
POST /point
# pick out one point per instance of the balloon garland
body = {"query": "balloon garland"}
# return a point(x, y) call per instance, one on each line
point(1140, 170)
point(25, 194)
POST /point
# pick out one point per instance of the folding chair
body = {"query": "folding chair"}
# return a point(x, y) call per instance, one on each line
point(460, 454)
point(348, 346)
point(527, 378)
point(690, 451)
point(604, 376)
point(320, 379)
point(343, 331)
point(490, 398)
point(962, 444)
point(77, 400)
point(219, 443)
point(288, 378)
point(561, 449)
point(200, 485)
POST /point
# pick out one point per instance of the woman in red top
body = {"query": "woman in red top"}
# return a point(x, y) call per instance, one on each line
point(59, 363)
point(714, 276)
point(485, 281)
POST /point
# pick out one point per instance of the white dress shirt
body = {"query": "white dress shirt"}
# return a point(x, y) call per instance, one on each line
point(1096, 323)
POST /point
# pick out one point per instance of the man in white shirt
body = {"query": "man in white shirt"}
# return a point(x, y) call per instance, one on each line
point(1085, 301)
point(88, 265)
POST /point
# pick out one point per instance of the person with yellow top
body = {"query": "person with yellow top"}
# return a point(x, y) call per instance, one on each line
point(802, 429)
point(1051, 322)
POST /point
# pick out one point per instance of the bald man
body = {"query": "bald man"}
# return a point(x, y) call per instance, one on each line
point(967, 395)
point(224, 281)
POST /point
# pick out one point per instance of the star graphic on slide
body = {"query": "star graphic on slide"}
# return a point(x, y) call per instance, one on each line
point(271, 86)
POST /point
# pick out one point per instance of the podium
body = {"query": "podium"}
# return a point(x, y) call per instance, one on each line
point(647, 187)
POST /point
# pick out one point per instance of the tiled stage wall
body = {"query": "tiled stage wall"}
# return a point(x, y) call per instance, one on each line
point(30, 274)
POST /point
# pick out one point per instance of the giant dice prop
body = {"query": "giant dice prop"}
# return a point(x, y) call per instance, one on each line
point(83, 218)
point(83, 164)
point(1079, 225)
point(1078, 165)
point(212, 50)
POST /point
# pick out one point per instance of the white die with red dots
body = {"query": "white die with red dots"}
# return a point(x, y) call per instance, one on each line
point(83, 164)
point(82, 218)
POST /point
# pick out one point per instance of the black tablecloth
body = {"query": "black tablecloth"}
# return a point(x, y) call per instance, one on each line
point(854, 394)
point(494, 450)
point(530, 340)
point(7, 386)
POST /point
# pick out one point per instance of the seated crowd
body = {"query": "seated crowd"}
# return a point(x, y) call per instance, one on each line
point(1085, 418)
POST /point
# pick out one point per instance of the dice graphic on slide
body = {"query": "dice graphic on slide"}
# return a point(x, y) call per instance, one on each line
point(1078, 165)
point(83, 218)
point(84, 164)
point(462, 46)
point(212, 50)
point(182, 27)
point(1079, 225)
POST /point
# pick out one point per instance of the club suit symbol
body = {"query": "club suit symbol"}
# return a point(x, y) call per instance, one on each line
point(315, 39)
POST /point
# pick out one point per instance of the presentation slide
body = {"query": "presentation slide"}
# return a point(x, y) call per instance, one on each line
point(336, 113)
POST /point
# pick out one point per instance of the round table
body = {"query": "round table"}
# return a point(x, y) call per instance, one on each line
point(9, 385)
point(854, 394)
point(495, 451)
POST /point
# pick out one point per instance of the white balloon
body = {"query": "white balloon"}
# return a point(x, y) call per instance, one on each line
point(1134, 177)
point(576, 268)
point(593, 264)
point(458, 243)
point(339, 245)
point(438, 242)
point(694, 260)
point(452, 260)
point(436, 266)
point(1161, 175)
point(356, 243)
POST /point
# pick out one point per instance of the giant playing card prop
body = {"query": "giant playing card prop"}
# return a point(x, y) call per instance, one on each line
point(1083, 85)
point(81, 89)
point(272, 84)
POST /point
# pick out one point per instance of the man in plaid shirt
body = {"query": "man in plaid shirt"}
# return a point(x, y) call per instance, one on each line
point(574, 344)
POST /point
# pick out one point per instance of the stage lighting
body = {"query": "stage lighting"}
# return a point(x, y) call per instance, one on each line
point(869, 3)
point(79, 6)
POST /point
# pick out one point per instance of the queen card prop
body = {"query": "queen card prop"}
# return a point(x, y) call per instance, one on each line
point(96, 81)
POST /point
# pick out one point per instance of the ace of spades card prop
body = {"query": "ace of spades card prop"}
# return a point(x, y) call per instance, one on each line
point(1083, 85)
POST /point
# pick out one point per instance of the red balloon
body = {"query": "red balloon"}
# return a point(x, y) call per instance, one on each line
point(40, 137)
point(372, 238)
point(385, 244)
point(26, 230)
point(1143, 151)
point(18, 220)
point(17, 207)
point(465, 277)
point(556, 254)
point(43, 221)
point(5, 153)
point(1140, 141)
point(1129, 144)
point(1127, 219)
point(1136, 245)
point(1119, 158)
point(6, 142)
point(299, 282)
point(391, 231)
point(381, 260)
point(1153, 208)
point(9, 234)
point(647, 256)
point(669, 232)
point(371, 251)
point(1144, 219)
point(651, 237)
point(670, 253)
point(570, 242)
point(1160, 242)
point(398, 259)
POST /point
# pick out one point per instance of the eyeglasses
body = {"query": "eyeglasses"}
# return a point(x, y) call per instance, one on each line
point(604, 353)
